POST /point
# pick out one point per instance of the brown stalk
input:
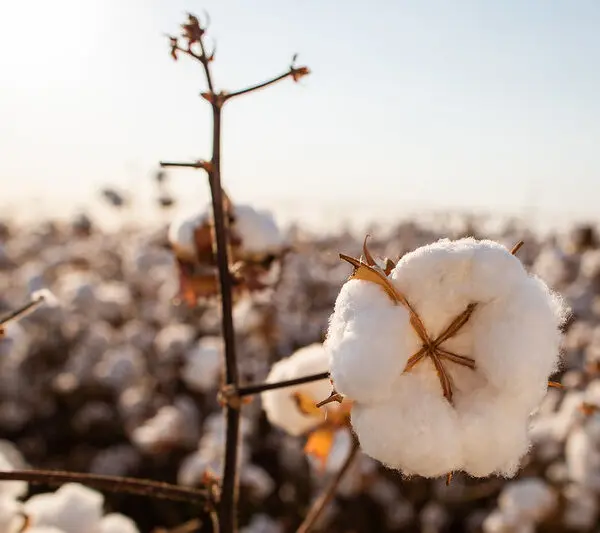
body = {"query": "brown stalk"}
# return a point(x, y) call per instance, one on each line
point(115, 484)
point(194, 33)
point(321, 503)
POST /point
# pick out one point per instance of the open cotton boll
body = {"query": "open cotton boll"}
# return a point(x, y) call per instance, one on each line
point(493, 368)
point(582, 453)
point(203, 364)
point(530, 499)
point(73, 508)
point(258, 230)
point(10, 489)
point(11, 518)
point(117, 523)
point(181, 232)
point(280, 405)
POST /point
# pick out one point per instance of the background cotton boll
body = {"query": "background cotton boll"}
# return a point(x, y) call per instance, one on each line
point(530, 499)
point(203, 364)
point(117, 523)
point(181, 233)
point(258, 230)
point(11, 519)
point(581, 508)
point(415, 430)
point(73, 508)
point(11, 489)
point(582, 453)
point(280, 406)
point(369, 342)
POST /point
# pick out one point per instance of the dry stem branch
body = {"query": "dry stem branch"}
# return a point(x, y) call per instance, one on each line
point(321, 503)
point(116, 484)
point(249, 390)
point(194, 33)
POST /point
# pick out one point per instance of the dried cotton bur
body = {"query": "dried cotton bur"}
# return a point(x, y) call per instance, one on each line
point(444, 356)
point(256, 247)
point(293, 408)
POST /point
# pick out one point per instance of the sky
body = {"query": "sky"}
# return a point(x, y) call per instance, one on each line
point(420, 104)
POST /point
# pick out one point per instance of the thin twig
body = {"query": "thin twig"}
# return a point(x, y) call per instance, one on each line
point(23, 311)
point(249, 390)
point(193, 164)
point(321, 503)
point(116, 484)
point(259, 86)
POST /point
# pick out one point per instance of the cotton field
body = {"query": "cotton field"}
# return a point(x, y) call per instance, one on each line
point(121, 377)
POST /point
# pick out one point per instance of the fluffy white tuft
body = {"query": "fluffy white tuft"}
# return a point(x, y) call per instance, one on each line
point(203, 364)
point(402, 418)
point(258, 230)
point(46, 295)
point(117, 523)
point(279, 404)
point(67, 509)
point(181, 232)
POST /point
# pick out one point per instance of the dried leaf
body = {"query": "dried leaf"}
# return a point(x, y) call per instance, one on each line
point(306, 405)
point(319, 444)
point(299, 73)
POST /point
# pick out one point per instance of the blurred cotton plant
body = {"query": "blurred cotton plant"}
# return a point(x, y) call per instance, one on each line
point(257, 249)
point(294, 409)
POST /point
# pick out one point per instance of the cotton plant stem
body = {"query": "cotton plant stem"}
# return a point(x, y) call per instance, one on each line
point(115, 484)
point(229, 485)
point(321, 503)
point(250, 390)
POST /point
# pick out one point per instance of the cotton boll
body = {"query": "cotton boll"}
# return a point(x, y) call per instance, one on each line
point(203, 364)
point(120, 367)
point(173, 340)
point(11, 489)
point(530, 499)
point(499, 522)
point(113, 300)
point(11, 518)
point(257, 480)
point(433, 518)
point(368, 341)
point(262, 523)
point(582, 454)
point(117, 523)
point(512, 336)
point(73, 508)
point(181, 233)
point(416, 430)
point(581, 508)
point(279, 404)
point(258, 230)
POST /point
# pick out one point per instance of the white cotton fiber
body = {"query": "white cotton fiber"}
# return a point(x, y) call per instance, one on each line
point(258, 230)
point(181, 232)
point(279, 404)
point(73, 508)
point(10, 489)
point(117, 523)
point(402, 418)
point(203, 364)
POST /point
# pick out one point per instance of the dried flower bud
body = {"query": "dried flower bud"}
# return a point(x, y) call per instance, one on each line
point(299, 72)
point(174, 47)
point(192, 30)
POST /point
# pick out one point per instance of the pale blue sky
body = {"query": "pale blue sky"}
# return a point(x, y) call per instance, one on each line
point(433, 103)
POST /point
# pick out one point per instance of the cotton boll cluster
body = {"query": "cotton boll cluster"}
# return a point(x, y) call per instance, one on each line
point(62, 412)
point(402, 414)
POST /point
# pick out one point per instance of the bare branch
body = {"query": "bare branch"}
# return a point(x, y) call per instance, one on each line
point(200, 164)
point(295, 72)
point(325, 498)
point(116, 484)
point(249, 390)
